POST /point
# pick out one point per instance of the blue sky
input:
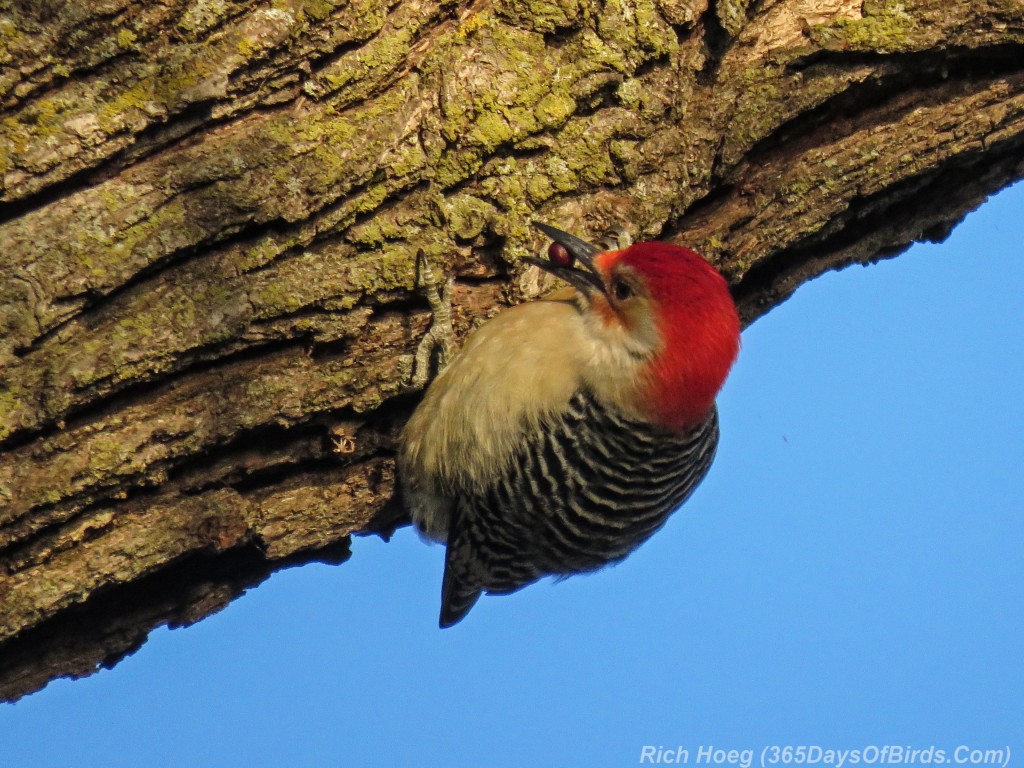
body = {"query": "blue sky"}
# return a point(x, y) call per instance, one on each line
point(850, 574)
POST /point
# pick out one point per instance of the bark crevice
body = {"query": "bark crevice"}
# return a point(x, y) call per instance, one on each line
point(211, 214)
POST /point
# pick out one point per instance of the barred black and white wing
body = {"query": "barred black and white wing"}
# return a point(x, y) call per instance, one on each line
point(582, 492)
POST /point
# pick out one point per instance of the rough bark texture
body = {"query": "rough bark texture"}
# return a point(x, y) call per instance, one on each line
point(210, 212)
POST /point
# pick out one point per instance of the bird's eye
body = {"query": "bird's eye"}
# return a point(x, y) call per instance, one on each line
point(621, 289)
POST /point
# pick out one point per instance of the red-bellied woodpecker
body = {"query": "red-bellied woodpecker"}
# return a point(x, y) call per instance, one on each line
point(566, 430)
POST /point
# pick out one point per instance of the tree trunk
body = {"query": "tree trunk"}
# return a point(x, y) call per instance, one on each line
point(210, 212)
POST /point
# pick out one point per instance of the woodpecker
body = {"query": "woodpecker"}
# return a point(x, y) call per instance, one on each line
point(567, 429)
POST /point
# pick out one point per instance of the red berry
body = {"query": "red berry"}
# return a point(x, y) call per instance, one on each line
point(559, 254)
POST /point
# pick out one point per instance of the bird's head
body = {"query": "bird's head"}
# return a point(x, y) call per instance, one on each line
point(664, 315)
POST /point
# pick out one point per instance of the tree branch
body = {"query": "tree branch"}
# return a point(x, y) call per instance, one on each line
point(210, 215)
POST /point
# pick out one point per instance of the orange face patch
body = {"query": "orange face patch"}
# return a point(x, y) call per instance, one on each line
point(603, 309)
point(605, 262)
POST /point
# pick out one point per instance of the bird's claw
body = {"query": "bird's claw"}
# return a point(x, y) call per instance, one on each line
point(615, 239)
point(437, 344)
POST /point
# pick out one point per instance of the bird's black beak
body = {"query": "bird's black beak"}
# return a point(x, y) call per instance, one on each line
point(583, 277)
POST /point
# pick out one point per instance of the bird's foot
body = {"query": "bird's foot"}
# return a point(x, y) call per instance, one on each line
point(615, 239)
point(435, 349)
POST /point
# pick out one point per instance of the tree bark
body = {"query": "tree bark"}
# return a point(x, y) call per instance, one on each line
point(210, 212)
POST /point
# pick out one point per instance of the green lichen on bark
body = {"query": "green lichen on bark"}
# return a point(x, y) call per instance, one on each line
point(215, 211)
point(887, 26)
point(732, 15)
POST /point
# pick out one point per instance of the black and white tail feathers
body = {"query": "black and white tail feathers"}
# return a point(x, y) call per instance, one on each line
point(582, 492)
